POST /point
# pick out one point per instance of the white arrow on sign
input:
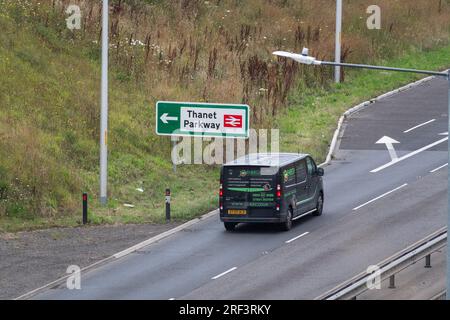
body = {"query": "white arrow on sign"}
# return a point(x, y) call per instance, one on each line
point(165, 118)
point(388, 141)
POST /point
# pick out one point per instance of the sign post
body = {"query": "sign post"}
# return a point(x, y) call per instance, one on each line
point(167, 205)
point(104, 107)
point(202, 119)
point(337, 69)
point(85, 208)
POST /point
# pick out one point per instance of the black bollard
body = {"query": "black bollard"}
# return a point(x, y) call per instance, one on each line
point(167, 205)
point(85, 208)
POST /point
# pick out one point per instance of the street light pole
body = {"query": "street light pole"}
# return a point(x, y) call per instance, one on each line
point(337, 69)
point(104, 107)
point(448, 195)
point(306, 59)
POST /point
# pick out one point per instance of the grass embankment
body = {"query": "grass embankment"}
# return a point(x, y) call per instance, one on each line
point(49, 102)
point(49, 113)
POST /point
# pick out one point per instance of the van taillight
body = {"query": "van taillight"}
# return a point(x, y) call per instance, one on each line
point(278, 207)
point(278, 191)
point(220, 196)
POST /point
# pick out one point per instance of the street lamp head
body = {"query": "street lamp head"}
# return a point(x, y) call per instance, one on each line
point(305, 52)
point(301, 58)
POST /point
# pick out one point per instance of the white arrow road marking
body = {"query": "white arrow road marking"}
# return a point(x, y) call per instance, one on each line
point(377, 198)
point(224, 273)
point(420, 125)
point(165, 118)
point(409, 155)
point(388, 141)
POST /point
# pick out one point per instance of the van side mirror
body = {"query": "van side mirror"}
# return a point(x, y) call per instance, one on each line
point(320, 172)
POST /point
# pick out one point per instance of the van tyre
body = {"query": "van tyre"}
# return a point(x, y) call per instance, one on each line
point(230, 226)
point(286, 226)
point(319, 206)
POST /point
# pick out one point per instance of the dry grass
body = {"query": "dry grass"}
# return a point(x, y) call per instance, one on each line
point(217, 50)
point(221, 50)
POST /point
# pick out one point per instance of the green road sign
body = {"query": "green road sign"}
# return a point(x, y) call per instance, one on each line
point(202, 119)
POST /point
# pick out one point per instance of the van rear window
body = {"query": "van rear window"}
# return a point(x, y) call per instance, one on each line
point(249, 172)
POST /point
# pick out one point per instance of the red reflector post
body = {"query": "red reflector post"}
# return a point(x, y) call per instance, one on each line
point(85, 208)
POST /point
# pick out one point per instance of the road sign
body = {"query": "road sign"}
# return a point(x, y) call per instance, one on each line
point(202, 119)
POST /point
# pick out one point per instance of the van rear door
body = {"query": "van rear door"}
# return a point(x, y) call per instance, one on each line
point(248, 188)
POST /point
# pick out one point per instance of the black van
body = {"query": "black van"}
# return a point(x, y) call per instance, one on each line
point(270, 188)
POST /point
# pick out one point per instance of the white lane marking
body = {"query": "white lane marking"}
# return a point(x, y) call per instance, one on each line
point(379, 197)
point(409, 155)
point(296, 238)
point(420, 125)
point(439, 168)
point(171, 299)
point(224, 273)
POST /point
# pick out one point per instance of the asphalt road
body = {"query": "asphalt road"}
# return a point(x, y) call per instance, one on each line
point(262, 261)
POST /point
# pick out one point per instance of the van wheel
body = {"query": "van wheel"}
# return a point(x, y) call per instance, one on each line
point(319, 206)
point(229, 226)
point(286, 226)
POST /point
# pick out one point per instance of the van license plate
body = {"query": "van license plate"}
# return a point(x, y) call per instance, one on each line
point(237, 212)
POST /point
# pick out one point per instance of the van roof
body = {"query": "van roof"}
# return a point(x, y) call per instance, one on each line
point(267, 159)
